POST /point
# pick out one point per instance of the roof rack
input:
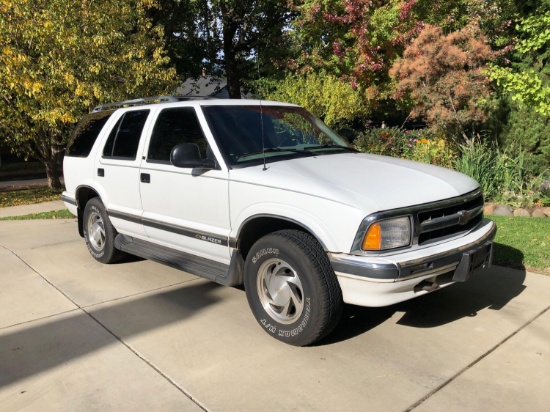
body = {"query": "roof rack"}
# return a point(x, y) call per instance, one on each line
point(147, 100)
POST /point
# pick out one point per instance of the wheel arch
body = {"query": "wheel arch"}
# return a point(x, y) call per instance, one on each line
point(257, 226)
point(83, 195)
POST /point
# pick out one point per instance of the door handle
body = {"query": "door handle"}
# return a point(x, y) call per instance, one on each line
point(100, 172)
point(145, 178)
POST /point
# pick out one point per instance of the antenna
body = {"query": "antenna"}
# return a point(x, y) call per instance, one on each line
point(261, 107)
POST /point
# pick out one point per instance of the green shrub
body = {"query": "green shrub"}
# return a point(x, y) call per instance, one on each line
point(502, 173)
point(531, 131)
point(420, 145)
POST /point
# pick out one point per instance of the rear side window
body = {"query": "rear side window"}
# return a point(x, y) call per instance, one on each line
point(174, 126)
point(124, 139)
point(86, 132)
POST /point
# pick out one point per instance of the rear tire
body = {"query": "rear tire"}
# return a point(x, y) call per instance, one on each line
point(291, 287)
point(99, 233)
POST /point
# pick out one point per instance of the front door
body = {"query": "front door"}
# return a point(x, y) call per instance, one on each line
point(184, 208)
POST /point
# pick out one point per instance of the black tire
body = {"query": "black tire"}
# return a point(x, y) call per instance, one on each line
point(99, 233)
point(291, 287)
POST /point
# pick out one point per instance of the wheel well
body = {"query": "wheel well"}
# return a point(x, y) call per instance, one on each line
point(83, 195)
point(258, 227)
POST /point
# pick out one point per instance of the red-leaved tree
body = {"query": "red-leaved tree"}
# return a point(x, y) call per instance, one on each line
point(444, 77)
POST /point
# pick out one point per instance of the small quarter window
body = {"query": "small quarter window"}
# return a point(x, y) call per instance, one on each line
point(86, 132)
point(124, 139)
point(174, 126)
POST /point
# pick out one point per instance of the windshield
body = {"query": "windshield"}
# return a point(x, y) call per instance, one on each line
point(286, 132)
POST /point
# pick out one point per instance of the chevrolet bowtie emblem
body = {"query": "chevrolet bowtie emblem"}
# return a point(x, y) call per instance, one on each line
point(463, 217)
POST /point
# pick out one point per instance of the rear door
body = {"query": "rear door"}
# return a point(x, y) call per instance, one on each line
point(184, 208)
point(117, 171)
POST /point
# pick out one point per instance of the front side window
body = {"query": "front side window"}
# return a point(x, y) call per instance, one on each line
point(123, 141)
point(248, 134)
point(174, 126)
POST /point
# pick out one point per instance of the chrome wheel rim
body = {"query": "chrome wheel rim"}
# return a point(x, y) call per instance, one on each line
point(96, 231)
point(280, 291)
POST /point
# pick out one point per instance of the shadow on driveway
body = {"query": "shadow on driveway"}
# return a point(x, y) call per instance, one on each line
point(491, 289)
point(36, 349)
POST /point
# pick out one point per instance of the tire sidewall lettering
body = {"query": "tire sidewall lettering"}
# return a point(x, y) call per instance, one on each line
point(298, 329)
point(288, 333)
point(91, 249)
point(284, 331)
point(265, 252)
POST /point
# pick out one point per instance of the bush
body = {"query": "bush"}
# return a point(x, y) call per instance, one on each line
point(502, 173)
point(530, 131)
point(420, 145)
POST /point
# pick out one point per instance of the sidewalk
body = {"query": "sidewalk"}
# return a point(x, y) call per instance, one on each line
point(31, 209)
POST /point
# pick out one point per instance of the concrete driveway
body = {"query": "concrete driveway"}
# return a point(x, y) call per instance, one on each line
point(76, 335)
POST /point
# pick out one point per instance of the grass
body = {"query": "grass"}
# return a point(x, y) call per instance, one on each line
point(28, 196)
point(57, 214)
point(523, 242)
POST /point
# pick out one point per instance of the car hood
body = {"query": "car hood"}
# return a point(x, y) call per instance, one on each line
point(367, 182)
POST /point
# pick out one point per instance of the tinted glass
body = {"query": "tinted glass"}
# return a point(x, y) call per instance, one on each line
point(250, 133)
point(124, 139)
point(174, 126)
point(86, 133)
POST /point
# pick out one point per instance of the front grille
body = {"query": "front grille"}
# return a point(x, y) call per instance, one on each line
point(432, 222)
point(455, 217)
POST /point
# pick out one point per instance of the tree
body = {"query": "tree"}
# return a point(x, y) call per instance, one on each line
point(528, 81)
point(444, 78)
point(336, 102)
point(190, 35)
point(59, 58)
point(358, 41)
point(355, 40)
point(224, 36)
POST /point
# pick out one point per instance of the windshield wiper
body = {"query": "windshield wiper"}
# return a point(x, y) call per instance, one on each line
point(331, 146)
point(271, 150)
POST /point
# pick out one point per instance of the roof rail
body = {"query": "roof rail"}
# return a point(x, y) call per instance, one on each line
point(136, 102)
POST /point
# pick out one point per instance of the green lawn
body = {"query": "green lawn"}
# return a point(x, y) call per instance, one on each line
point(523, 242)
point(58, 214)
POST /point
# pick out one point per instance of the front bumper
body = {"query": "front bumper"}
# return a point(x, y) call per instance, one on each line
point(385, 280)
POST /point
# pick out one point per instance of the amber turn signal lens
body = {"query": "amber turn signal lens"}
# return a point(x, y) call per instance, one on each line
point(373, 238)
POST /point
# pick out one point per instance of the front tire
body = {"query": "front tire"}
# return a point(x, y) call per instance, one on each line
point(99, 233)
point(291, 287)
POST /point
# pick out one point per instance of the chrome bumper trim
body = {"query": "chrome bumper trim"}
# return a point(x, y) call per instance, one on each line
point(436, 264)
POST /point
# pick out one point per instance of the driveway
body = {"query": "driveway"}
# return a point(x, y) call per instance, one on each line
point(77, 335)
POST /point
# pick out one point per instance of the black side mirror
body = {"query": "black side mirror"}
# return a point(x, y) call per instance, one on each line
point(188, 155)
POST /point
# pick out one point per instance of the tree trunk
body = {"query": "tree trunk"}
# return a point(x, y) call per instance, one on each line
point(52, 174)
point(233, 80)
point(231, 65)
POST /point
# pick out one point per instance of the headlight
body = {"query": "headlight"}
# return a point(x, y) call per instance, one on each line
point(388, 234)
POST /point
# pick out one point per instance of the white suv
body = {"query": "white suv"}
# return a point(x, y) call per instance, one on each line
point(264, 194)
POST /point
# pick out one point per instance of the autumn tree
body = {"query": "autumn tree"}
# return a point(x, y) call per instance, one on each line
point(59, 58)
point(355, 40)
point(443, 76)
